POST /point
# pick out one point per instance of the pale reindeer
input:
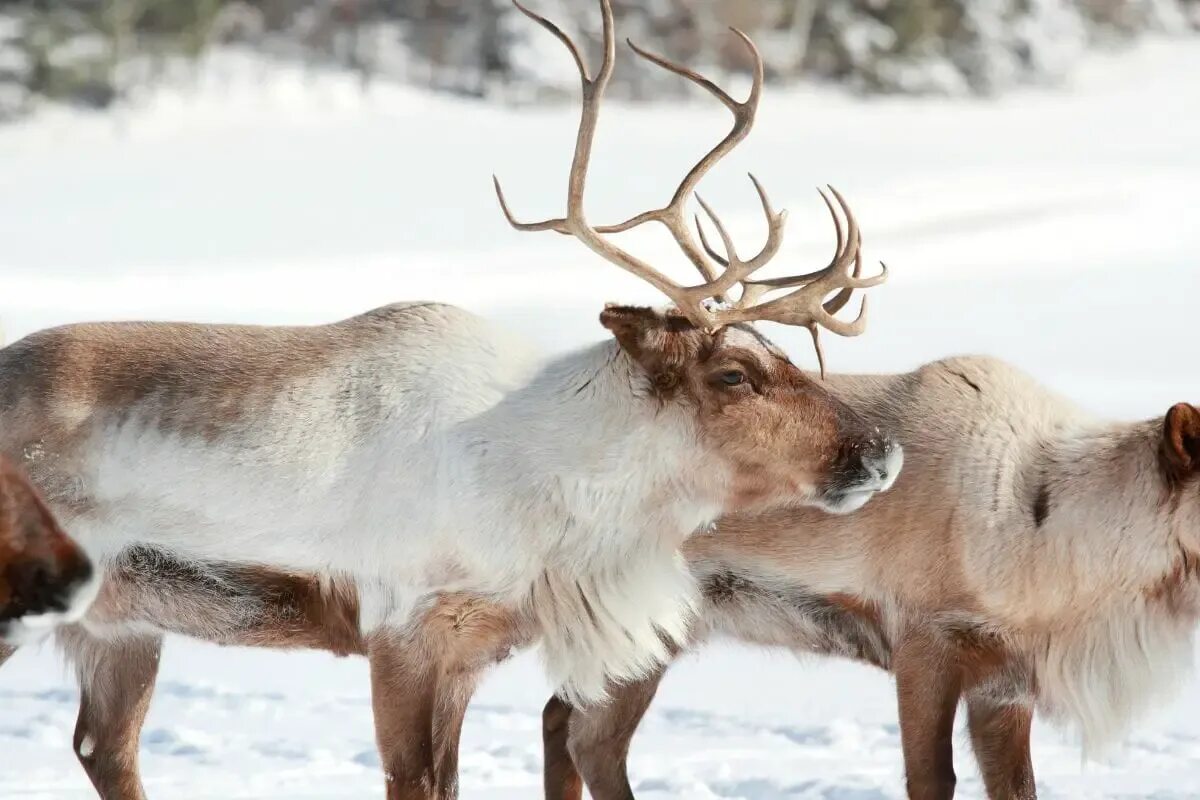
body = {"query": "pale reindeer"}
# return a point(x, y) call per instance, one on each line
point(434, 469)
point(45, 578)
point(1029, 558)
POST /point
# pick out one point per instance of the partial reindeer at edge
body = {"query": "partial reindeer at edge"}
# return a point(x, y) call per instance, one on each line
point(45, 578)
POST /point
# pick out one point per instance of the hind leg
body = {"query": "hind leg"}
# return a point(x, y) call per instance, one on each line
point(116, 680)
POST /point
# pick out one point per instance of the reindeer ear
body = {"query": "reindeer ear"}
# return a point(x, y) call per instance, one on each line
point(1181, 441)
point(633, 326)
point(651, 338)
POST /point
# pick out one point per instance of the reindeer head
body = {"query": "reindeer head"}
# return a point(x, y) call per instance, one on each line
point(784, 437)
point(44, 576)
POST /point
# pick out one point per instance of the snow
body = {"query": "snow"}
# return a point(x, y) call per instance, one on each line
point(1052, 228)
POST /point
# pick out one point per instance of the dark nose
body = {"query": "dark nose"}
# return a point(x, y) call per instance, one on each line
point(871, 463)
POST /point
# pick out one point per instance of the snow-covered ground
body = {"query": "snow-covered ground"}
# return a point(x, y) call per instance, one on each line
point(1053, 228)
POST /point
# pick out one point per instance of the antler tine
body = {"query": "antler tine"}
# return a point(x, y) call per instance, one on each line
point(560, 35)
point(808, 277)
point(753, 291)
point(713, 254)
point(806, 305)
point(838, 302)
point(726, 241)
point(693, 76)
point(774, 221)
point(816, 340)
point(841, 298)
point(559, 224)
point(837, 225)
point(741, 270)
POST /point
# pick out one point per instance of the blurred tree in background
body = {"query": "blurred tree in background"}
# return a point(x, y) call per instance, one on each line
point(96, 52)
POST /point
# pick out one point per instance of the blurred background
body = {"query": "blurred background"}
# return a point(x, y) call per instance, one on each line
point(95, 53)
point(1027, 168)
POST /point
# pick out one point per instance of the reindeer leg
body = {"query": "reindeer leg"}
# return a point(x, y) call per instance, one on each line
point(1000, 737)
point(561, 779)
point(404, 699)
point(598, 737)
point(453, 696)
point(116, 681)
point(928, 686)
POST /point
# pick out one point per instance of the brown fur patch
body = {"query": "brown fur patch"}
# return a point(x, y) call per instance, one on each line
point(38, 561)
point(1000, 736)
point(1177, 591)
point(981, 654)
point(866, 610)
point(470, 632)
point(230, 604)
point(561, 780)
point(189, 379)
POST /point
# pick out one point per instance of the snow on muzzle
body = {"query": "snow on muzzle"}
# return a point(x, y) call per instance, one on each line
point(863, 469)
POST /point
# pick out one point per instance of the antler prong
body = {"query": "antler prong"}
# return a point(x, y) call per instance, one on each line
point(726, 241)
point(545, 225)
point(561, 36)
point(816, 340)
point(713, 254)
point(693, 76)
point(842, 327)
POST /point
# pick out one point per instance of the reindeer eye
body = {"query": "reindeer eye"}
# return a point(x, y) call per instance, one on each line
point(733, 377)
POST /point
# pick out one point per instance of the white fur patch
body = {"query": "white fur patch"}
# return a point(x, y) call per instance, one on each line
point(87, 746)
point(1100, 679)
point(614, 625)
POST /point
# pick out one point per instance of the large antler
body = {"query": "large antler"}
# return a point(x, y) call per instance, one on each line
point(803, 305)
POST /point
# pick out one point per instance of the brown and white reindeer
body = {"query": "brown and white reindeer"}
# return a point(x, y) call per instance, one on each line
point(436, 470)
point(1030, 557)
point(45, 578)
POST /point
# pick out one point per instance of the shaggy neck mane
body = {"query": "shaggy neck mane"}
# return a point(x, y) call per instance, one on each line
point(1124, 640)
point(605, 481)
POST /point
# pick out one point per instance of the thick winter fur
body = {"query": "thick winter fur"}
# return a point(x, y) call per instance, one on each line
point(45, 578)
point(1029, 556)
point(415, 450)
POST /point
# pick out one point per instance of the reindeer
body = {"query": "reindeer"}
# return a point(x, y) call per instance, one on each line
point(45, 578)
point(1029, 558)
point(439, 471)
